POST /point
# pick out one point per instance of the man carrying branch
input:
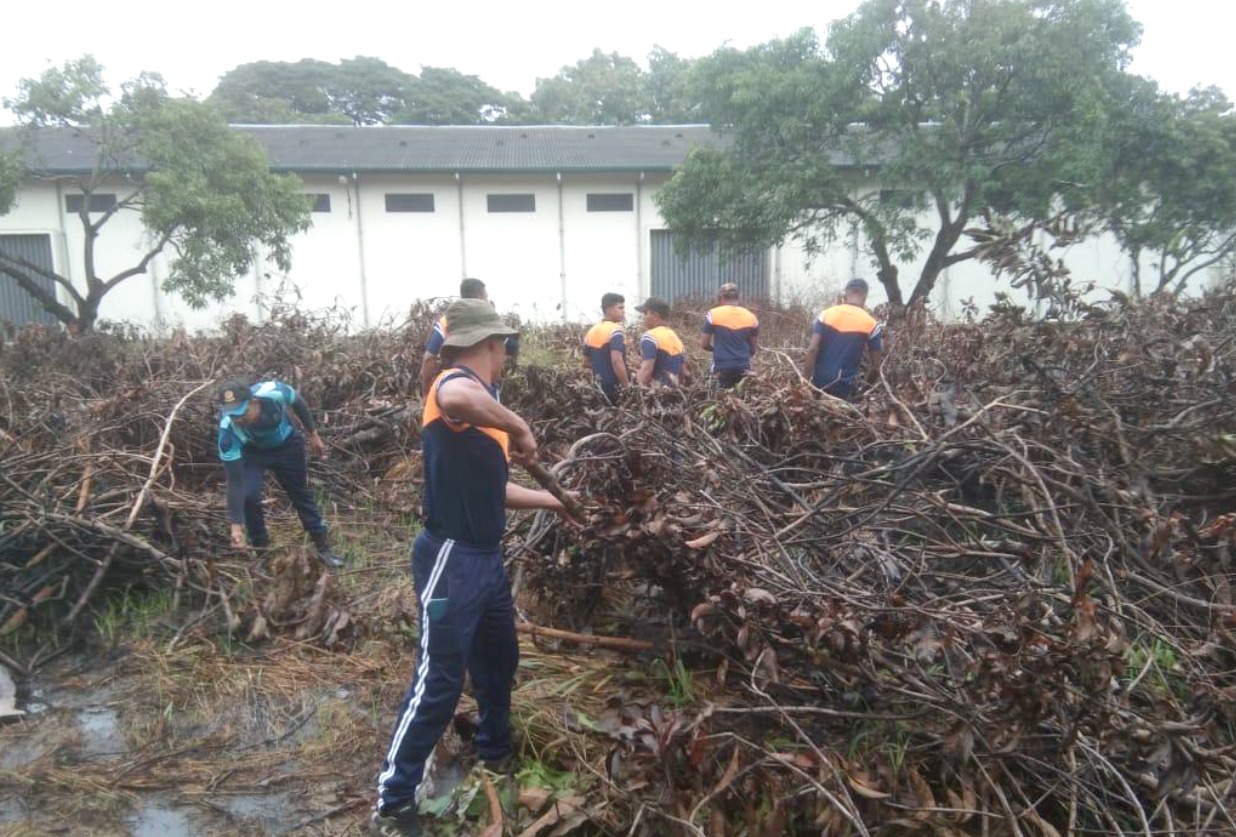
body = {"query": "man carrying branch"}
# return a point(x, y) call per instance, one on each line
point(466, 611)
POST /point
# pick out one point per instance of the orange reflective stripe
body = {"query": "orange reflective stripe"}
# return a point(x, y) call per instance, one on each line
point(432, 412)
point(848, 319)
point(599, 335)
point(733, 317)
point(666, 340)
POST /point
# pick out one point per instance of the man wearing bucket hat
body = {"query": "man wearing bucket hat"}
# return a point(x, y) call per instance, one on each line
point(255, 435)
point(837, 341)
point(466, 611)
point(660, 349)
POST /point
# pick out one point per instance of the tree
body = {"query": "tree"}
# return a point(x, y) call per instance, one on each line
point(443, 96)
point(360, 91)
point(950, 105)
point(277, 92)
point(668, 86)
point(602, 89)
point(1170, 194)
point(203, 191)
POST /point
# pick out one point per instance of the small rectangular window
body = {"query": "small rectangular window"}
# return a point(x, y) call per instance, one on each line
point(99, 202)
point(898, 198)
point(512, 203)
point(611, 202)
point(409, 202)
point(321, 203)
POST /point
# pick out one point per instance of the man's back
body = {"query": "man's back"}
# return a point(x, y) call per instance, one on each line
point(845, 330)
point(731, 327)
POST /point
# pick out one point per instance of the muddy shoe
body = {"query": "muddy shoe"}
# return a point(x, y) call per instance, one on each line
point(404, 821)
point(328, 556)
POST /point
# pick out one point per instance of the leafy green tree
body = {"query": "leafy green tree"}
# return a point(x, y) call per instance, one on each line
point(204, 192)
point(360, 91)
point(1170, 196)
point(443, 96)
point(602, 89)
point(949, 106)
point(277, 92)
point(668, 86)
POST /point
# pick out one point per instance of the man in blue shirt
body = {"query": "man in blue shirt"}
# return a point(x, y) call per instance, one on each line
point(468, 289)
point(660, 349)
point(605, 347)
point(255, 435)
point(838, 339)
point(731, 333)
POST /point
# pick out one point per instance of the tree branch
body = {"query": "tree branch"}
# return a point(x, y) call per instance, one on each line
point(140, 267)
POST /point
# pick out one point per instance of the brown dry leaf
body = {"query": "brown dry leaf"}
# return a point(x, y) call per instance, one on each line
point(704, 540)
point(922, 791)
point(534, 798)
point(865, 790)
point(561, 811)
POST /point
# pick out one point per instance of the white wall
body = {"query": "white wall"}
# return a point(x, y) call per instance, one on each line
point(528, 260)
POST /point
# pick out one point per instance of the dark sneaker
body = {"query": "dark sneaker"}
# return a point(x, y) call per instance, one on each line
point(404, 821)
point(328, 556)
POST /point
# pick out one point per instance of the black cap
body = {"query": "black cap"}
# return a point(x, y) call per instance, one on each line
point(234, 396)
point(656, 305)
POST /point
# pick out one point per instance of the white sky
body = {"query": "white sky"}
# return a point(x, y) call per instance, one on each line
point(507, 44)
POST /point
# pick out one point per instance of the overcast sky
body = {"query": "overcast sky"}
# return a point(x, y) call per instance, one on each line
point(509, 45)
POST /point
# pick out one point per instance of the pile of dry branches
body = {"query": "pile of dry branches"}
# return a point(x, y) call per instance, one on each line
point(994, 594)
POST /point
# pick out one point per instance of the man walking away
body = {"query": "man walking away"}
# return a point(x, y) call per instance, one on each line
point(468, 289)
point(837, 342)
point(661, 350)
point(255, 435)
point(731, 333)
point(466, 612)
point(605, 350)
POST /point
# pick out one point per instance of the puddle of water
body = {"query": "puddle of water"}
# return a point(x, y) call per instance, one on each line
point(155, 820)
point(100, 732)
point(272, 813)
point(17, 755)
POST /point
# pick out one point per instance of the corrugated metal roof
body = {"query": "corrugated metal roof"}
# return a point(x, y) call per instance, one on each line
point(426, 149)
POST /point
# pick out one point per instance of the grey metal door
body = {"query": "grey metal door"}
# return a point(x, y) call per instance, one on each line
point(17, 306)
point(697, 274)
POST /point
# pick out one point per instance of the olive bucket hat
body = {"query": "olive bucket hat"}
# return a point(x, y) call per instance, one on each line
point(471, 321)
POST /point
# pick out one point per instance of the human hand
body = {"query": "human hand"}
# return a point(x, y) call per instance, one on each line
point(316, 446)
point(523, 446)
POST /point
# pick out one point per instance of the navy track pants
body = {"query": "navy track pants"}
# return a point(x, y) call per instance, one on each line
point(467, 624)
point(287, 463)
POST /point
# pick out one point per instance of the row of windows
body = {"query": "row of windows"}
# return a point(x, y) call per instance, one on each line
point(409, 202)
point(424, 202)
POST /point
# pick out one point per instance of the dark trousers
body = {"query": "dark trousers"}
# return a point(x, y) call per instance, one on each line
point(287, 463)
point(467, 625)
point(729, 378)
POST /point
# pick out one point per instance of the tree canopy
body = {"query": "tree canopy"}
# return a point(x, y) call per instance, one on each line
point(205, 193)
point(950, 106)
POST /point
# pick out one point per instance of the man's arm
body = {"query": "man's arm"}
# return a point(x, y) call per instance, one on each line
point(619, 360)
point(873, 374)
point(463, 399)
point(305, 416)
point(429, 370)
point(643, 377)
point(518, 497)
point(813, 351)
point(234, 470)
point(706, 342)
point(754, 342)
